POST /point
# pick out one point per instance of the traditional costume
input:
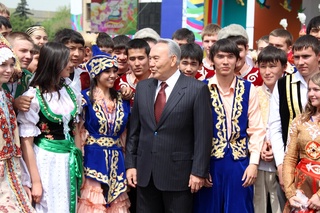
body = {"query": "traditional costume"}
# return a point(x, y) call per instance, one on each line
point(51, 120)
point(12, 195)
point(252, 74)
point(301, 166)
point(206, 72)
point(237, 131)
point(106, 185)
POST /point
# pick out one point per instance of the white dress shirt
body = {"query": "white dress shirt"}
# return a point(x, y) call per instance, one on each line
point(275, 120)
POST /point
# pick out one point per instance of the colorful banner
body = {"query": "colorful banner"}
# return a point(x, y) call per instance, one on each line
point(114, 16)
point(76, 14)
point(194, 17)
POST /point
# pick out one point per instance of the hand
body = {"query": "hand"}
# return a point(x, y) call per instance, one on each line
point(28, 192)
point(250, 175)
point(208, 182)
point(22, 103)
point(132, 177)
point(126, 93)
point(295, 202)
point(280, 177)
point(36, 192)
point(195, 183)
point(266, 152)
point(314, 202)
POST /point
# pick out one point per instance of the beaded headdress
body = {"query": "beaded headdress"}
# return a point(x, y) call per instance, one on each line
point(100, 61)
point(5, 51)
point(32, 29)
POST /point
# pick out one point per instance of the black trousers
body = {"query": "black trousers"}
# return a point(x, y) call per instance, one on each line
point(152, 200)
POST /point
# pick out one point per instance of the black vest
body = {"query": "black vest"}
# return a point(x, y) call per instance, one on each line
point(289, 103)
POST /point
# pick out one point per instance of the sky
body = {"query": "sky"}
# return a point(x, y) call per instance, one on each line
point(47, 5)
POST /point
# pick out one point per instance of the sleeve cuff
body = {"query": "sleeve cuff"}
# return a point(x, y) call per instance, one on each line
point(254, 158)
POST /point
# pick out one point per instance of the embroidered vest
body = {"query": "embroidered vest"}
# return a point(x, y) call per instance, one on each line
point(236, 143)
point(51, 124)
point(289, 103)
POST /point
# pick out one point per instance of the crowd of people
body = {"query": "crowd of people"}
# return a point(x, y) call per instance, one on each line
point(91, 123)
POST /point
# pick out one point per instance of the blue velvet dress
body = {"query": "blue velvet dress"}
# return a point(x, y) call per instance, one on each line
point(103, 153)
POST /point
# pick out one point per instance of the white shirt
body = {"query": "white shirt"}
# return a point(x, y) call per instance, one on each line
point(171, 82)
point(275, 120)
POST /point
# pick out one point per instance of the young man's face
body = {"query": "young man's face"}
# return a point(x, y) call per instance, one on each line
point(271, 72)
point(224, 63)
point(280, 43)
point(189, 67)
point(306, 61)
point(139, 63)
point(76, 53)
point(208, 41)
point(5, 31)
point(315, 31)
point(106, 49)
point(122, 59)
point(242, 60)
point(24, 51)
point(260, 45)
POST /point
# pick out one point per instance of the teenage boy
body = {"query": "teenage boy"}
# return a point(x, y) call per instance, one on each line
point(282, 39)
point(238, 134)
point(238, 34)
point(289, 95)
point(272, 62)
point(120, 44)
point(72, 39)
point(138, 59)
point(22, 46)
point(209, 36)
point(183, 36)
point(313, 27)
point(5, 26)
point(105, 43)
point(191, 59)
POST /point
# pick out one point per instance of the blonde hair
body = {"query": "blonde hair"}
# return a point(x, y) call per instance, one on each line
point(4, 9)
point(309, 109)
point(210, 29)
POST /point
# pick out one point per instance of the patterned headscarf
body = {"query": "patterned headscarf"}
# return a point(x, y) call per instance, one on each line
point(100, 62)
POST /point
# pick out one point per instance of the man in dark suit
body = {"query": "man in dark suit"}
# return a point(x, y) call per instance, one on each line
point(168, 153)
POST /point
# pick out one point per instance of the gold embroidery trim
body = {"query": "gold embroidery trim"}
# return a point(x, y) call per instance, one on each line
point(218, 144)
point(117, 183)
point(102, 119)
point(103, 141)
point(238, 147)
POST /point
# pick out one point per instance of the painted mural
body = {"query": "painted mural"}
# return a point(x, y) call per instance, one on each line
point(114, 16)
point(194, 17)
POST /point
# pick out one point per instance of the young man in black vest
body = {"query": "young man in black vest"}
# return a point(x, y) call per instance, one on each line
point(290, 95)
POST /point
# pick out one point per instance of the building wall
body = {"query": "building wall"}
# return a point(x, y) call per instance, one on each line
point(267, 20)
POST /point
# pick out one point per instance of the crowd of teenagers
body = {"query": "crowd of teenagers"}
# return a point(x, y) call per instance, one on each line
point(95, 124)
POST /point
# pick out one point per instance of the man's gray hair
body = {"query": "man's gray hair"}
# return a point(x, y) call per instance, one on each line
point(174, 48)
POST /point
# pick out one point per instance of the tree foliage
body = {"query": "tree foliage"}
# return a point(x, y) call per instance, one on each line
point(20, 24)
point(22, 10)
point(62, 19)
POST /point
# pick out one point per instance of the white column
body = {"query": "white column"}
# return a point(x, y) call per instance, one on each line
point(250, 22)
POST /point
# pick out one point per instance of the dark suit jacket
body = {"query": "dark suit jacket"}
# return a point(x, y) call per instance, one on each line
point(180, 144)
